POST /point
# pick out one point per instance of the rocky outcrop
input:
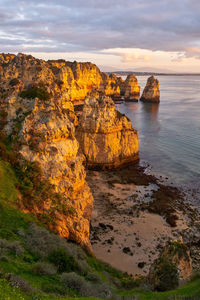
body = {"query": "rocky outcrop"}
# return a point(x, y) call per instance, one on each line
point(131, 88)
point(39, 117)
point(151, 91)
point(110, 86)
point(172, 267)
point(37, 112)
point(65, 80)
point(106, 137)
point(48, 138)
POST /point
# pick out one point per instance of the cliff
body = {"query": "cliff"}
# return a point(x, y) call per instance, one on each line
point(65, 80)
point(39, 118)
point(131, 88)
point(151, 91)
point(36, 111)
point(106, 137)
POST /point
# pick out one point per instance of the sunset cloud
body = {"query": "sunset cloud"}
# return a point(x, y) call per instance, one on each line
point(131, 57)
point(92, 26)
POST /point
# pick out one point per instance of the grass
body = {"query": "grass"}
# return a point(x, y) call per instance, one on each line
point(190, 289)
point(8, 183)
point(12, 221)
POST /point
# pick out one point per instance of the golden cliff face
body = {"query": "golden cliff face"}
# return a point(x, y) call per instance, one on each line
point(151, 92)
point(106, 137)
point(43, 132)
point(64, 80)
point(131, 88)
point(48, 138)
point(37, 111)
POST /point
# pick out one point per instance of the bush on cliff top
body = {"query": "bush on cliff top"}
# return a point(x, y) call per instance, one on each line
point(35, 92)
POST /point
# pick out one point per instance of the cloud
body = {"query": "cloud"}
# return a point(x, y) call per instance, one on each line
point(192, 52)
point(95, 25)
point(131, 57)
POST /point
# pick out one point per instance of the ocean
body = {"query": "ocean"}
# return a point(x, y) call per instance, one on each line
point(169, 132)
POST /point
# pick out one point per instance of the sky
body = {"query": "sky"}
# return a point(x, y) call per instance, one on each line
point(162, 35)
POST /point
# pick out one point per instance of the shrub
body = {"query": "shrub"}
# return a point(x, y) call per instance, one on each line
point(42, 268)
point(53, 288)
point(82, 267)
point(14, 81)
point(93, 277)
point(19, 282)
point(35, 92)
point(62, 260)
point(166, 276)
point(13, 247)
point(102, 291)
point(75, 282)
point(16, 248)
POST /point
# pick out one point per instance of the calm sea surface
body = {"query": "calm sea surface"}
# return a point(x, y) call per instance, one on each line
point(169, 132)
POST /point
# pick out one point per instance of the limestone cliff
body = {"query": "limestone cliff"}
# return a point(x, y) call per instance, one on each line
point(151, 91)
point(106, 137)
point(48, 138)
point(131, 88)
point(40, 120)
point(65, 80)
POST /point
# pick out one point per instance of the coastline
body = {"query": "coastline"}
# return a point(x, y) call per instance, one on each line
point(135, 215)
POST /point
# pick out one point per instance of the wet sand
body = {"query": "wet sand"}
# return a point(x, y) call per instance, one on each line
point(127, 230)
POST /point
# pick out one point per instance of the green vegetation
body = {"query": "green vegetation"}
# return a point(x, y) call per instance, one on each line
point(36, 92)
point(35, 189)
point(36, 264)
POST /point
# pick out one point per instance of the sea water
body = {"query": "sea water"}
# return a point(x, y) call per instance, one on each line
point(169, 132)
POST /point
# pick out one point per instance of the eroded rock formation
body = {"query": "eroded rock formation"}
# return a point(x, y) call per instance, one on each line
point(36, 110)
point(151, 91)
point(71, 80)
point(40, 119)
point(64, 79)
point(106, 137)
point(131, 88)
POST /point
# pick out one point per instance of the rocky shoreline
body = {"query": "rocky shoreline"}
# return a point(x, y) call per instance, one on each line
point(134, 217)
point(134, 214)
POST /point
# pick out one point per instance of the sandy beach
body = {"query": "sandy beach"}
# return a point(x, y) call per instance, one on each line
point(124, 231)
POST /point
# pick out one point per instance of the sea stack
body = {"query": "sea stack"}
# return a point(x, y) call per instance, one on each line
point(131, 88)
point(106, 137)
point(151, 92)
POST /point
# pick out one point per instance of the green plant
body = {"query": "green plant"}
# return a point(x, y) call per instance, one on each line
point(75, 282)
point(166, 276)
point(63, 261)
point(35, 92)
point(19, 282)
point(42, 268)
point(14, 81)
